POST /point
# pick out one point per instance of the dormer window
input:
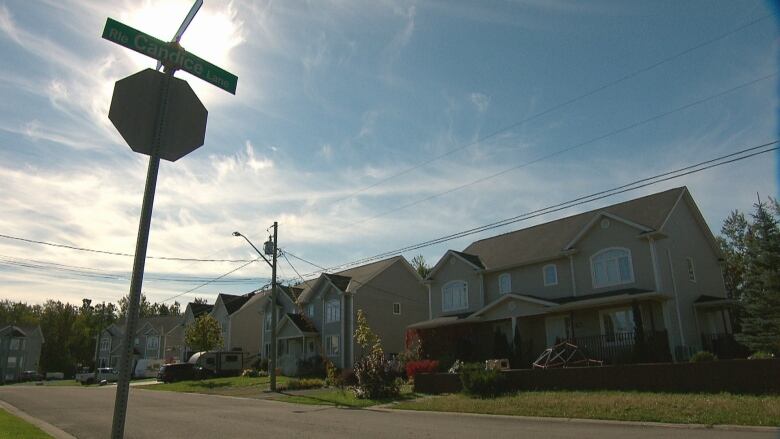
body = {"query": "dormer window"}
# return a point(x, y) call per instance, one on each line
point(611, 266)
point(454, 296)
point(504, 283)
point(550, 272)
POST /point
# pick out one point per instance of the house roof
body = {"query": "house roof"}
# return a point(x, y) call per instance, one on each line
point(159, 323)
point(573, 299)
point(548, 240)
point(198, 309)
point(302, 323)
point(473, 259)
point(232, 302)
point(351, 279)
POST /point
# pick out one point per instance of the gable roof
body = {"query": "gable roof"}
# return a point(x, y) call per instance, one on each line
point(548, 240)
point(160, 324)
point(303, 324)
point(351, 279)
point(198, 309)
point(231, 302)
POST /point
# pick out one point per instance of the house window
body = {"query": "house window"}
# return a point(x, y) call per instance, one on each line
point(455, 296)
point(397, 308)
point(550, 275)
point(616, 323)
point(332, 311)
point(104, 344)
point(152, 343)
point(691, 269)
point(611, 267)
point(11, 361)
point(504, 283)
point(267, 350)
point(332, 345)
point(310, 310)
point(268, 318)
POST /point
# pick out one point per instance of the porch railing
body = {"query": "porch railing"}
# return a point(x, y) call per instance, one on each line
point(724, 346)
point(626, 347)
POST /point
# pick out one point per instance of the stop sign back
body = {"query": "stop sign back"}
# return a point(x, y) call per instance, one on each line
point(134, 112)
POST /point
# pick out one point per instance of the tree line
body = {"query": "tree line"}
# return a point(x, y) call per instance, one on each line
point(70, 331)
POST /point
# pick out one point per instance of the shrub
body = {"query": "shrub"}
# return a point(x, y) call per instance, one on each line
point(421, 366)
point(480, 382)
point(703, 356)
point(312, 366)
point(304, 383)
point(374, 374)
point(457, 366)
point(761, 355)
point(251, 373)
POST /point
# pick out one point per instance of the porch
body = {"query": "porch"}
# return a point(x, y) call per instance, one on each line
point(615, 332)
point(713, 321)
point(297, 343)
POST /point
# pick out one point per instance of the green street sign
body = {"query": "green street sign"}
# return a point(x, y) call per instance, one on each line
point(171, 55)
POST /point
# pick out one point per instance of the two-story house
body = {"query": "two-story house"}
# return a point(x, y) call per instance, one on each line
point(157, 340)
point(223, 311)
point(20, 350)
point(318, 317)
point(636, 281)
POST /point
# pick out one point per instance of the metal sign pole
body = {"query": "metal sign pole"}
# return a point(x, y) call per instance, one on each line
point(125, 360)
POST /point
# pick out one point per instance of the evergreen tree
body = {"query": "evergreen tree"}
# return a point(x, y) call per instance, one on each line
point(760, 297)
point(732, 244)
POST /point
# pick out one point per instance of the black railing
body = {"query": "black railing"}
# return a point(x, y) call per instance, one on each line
point(625, 347)
point(724, 346)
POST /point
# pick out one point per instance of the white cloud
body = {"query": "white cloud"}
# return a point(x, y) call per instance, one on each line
point(481, 101)
point(326, 151)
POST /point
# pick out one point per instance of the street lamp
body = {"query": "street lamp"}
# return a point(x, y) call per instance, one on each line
point(270, 250)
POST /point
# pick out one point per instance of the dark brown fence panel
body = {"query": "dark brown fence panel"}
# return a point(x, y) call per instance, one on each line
point(735, 376)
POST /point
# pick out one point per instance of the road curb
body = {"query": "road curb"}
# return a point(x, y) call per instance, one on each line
point(736, 428)
point(49, 429)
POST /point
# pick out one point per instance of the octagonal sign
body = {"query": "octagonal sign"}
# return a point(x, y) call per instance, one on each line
point(134, 112)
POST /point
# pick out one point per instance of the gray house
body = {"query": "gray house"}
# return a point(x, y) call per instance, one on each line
point(20, 350)
point(635, 281)
point(318, 317)
point(157, 339)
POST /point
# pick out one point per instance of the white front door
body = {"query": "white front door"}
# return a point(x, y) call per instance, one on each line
point(557, 329)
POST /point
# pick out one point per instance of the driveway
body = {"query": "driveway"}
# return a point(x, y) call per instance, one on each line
point(86, 413)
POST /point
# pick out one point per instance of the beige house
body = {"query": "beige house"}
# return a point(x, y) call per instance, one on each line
point(20, 350)
point(318, 318)
point(635, 281)
point(225, 308)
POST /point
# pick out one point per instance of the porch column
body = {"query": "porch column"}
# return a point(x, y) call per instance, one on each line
point(723, 316)
point(514, 329)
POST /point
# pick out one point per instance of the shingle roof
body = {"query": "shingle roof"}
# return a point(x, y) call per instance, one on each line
point(232, 302)
point(351, 279)
point(547, 240)
point(164, 323)
point(302, 323)
point(198, 309)
point(573, 299)
point(474, 259)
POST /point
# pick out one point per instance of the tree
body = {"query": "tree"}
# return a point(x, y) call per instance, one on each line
point(200, 301)
point(760, 298)
point(204, 334)
point(373, 373)
point(732, 244)
point(422, 268)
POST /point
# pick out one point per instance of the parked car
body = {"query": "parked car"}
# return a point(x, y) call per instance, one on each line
point(103, 373)
point(55, 376)
point(179, 372)
point(30, 375)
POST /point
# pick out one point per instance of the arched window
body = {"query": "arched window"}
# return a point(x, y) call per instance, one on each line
point(504, 283)
point(454, 296)
point(550, 272)
point(611, 266)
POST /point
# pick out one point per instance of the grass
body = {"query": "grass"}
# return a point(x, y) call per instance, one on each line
point(12, 427)
point(231, 386)
point(344, 398)
point(52, 383)
point(708, 409)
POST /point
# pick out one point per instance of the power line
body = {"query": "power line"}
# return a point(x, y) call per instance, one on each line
point(558, 106)
point(564, 150)
point(212, 280)
point(112, 253)
point(634, 185)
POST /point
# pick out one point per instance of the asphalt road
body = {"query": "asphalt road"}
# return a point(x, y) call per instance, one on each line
point(86, 413)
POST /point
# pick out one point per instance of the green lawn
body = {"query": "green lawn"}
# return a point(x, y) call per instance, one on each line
point(12, 427)
point(231, 386)
point(343, 398)
point(53, 383)
point(706, 409)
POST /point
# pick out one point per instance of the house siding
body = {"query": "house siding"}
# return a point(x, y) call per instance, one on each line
point(456, 269)
point(529, 279)
point(396, 284)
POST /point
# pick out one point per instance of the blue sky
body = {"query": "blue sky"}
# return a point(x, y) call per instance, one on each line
point(336, 97)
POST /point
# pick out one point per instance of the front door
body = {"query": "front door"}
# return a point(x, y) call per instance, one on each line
point(557, 329)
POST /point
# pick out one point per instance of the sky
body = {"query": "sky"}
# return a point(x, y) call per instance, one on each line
point(365, 126)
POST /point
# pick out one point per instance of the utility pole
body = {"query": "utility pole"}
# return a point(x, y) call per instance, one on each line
point(270, 248)
point(274, 314)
